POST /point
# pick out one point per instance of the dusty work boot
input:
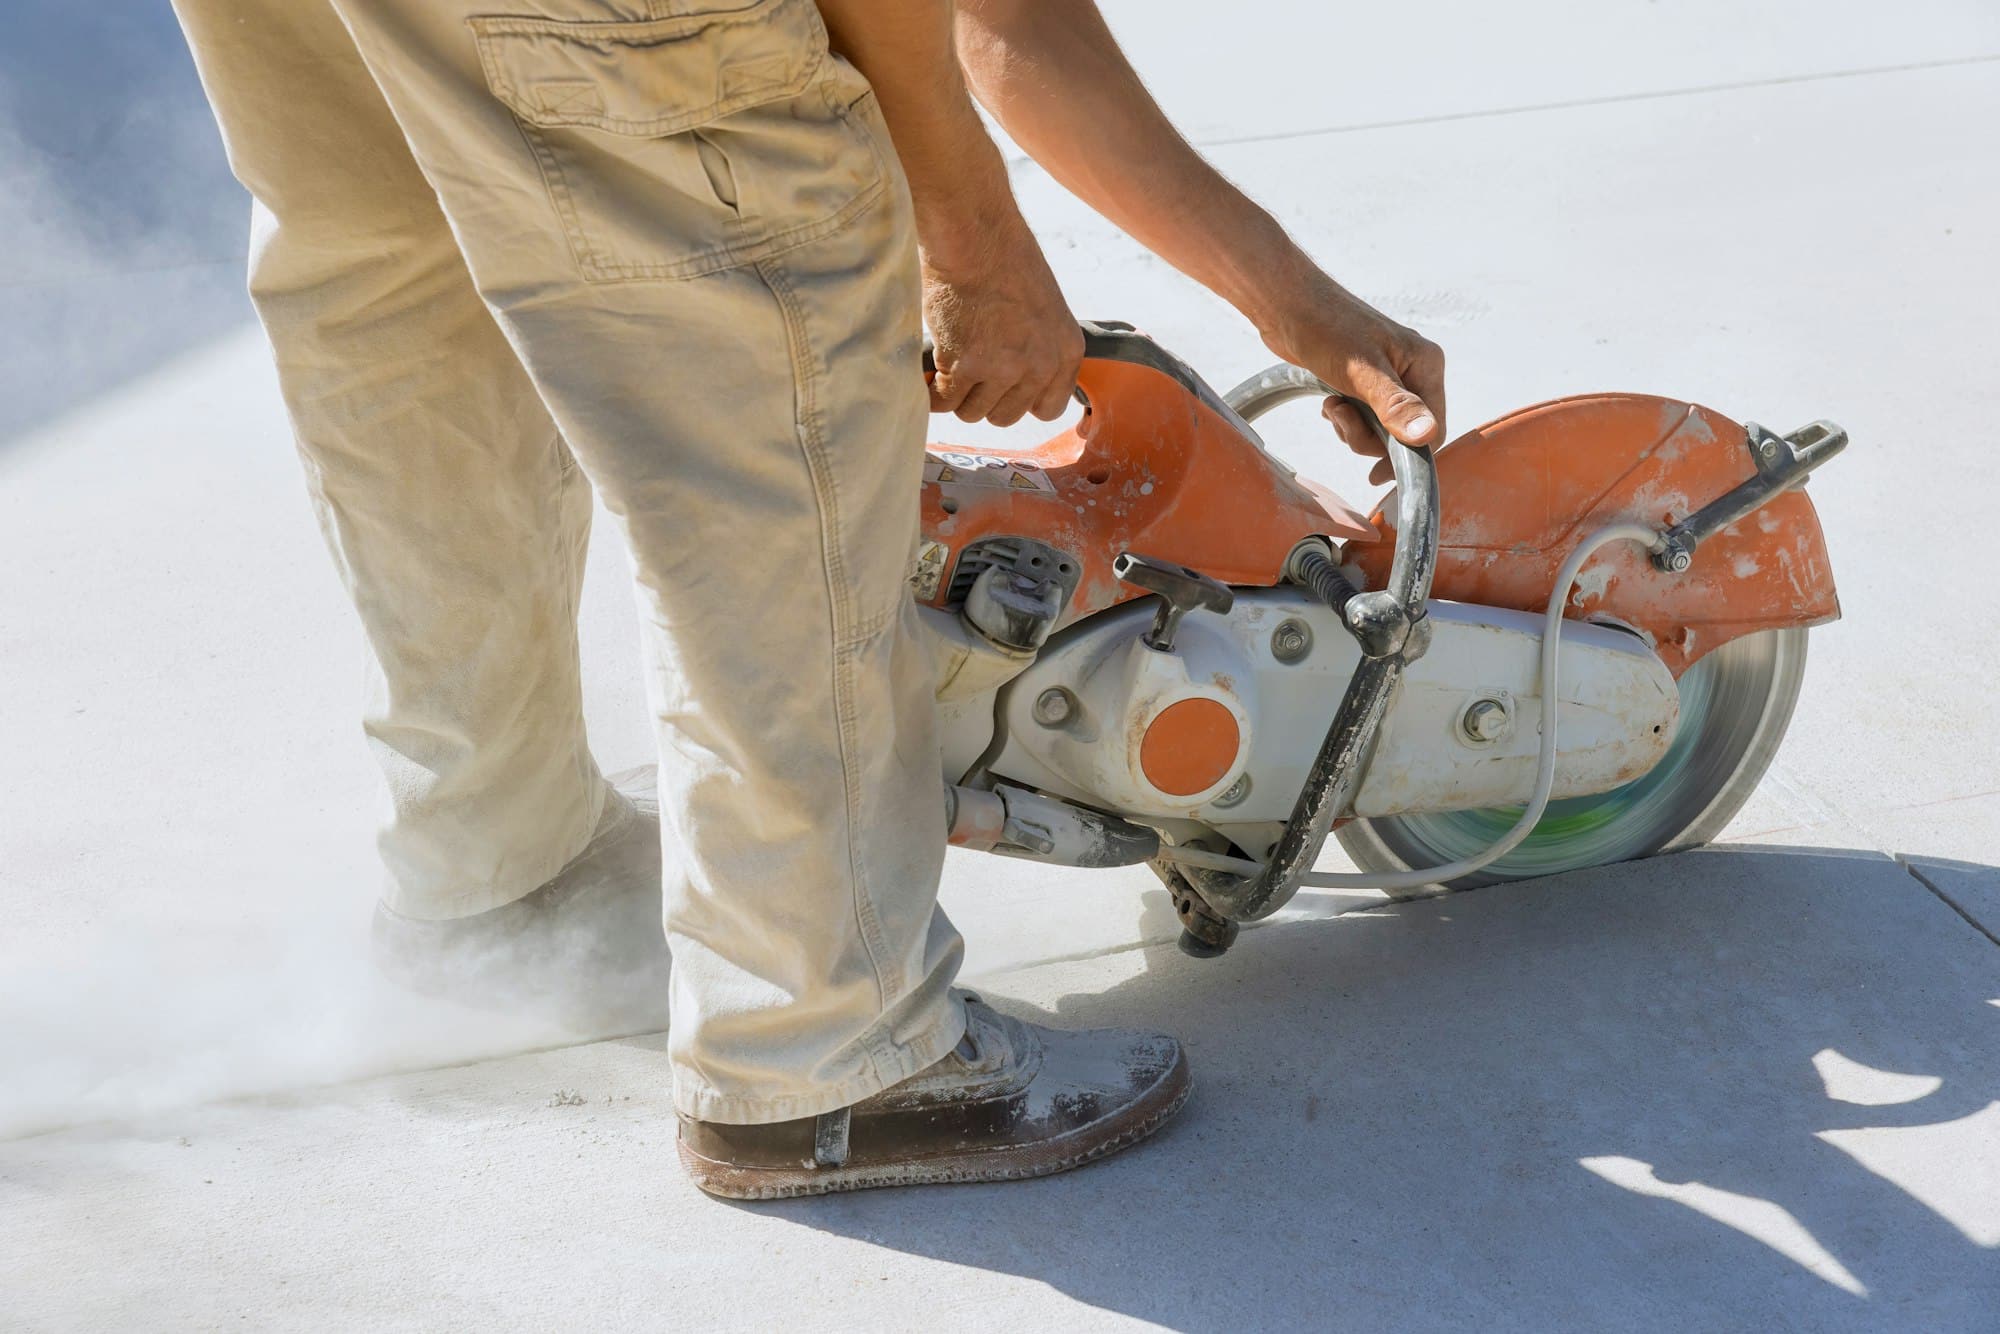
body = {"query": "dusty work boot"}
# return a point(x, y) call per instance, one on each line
point(1011, 1101)
point(586, 950)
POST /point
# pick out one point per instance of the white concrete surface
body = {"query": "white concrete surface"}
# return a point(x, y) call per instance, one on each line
point(1736, 1088)
point(1729, 1091)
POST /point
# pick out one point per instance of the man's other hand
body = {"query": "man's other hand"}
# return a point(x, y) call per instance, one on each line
point(1006, 342)
point(1053, 75)
point(1366, 355)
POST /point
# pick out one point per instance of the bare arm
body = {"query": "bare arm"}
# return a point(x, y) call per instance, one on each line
point(1006, 341)
point(1052, 74)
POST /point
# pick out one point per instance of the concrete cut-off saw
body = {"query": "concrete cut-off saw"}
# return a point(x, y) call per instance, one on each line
point(1158, 644)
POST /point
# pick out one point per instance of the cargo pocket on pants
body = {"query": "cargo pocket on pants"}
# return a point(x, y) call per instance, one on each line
point(682, 146)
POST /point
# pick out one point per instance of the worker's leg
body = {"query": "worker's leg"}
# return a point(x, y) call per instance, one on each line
point(453, 509)
point(695, 233)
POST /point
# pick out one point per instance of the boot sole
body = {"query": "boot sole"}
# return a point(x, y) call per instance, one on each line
point(1019, 1162)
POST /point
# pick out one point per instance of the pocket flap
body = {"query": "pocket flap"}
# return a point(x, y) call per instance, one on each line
point(651, 76)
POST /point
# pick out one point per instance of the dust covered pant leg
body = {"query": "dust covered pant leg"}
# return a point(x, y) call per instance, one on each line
point(455, 514)
point(690, 221)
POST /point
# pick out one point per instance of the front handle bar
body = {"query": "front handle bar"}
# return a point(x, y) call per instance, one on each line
point(1417, 511)
point(1390, 625)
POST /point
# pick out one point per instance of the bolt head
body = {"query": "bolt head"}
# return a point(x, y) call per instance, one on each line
point(1235, 793)
point(1486, 720)
point(1291, 641)
point(1054, 707)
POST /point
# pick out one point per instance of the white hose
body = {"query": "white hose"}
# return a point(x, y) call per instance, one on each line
point(1545, 765)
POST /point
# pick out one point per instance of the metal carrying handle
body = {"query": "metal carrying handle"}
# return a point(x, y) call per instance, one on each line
point(1103, 340)
point(1391, 626)
point(1417, 510)
point(1112, 340)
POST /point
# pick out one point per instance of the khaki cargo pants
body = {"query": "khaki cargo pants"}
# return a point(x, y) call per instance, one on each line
point(510, 250)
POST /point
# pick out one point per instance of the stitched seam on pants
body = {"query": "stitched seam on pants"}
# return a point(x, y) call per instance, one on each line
point(560, 199)
point(720, 257)
point(567, 476)
point(864, 631)
point(705, 1103)
point(812, 444)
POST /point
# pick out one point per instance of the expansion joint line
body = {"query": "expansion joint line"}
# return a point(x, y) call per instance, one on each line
point(1949, 901)
point(1608, 99)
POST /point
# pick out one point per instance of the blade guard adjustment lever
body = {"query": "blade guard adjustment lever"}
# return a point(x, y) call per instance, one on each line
point(1783, 462)
point(1179, 589)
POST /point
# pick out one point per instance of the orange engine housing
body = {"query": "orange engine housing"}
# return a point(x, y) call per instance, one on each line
point(1155, 466)
point(1159, 466)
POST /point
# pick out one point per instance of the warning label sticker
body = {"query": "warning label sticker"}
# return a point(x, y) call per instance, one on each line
point(958, 469)
point(928, 576)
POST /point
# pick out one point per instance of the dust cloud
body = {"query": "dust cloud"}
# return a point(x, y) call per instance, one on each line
point(122, 239)
point(121, 231)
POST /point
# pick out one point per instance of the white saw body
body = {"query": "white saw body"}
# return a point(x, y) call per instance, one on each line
point(1619, 709)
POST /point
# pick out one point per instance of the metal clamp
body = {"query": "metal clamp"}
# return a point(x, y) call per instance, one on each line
point(1783, 462)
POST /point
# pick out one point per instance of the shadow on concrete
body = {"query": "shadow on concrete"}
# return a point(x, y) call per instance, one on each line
point(1624, 1098)
point(124, 230)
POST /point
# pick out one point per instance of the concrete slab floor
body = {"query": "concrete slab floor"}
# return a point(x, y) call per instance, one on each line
point(1709, 1091)
point(1744, 1087)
